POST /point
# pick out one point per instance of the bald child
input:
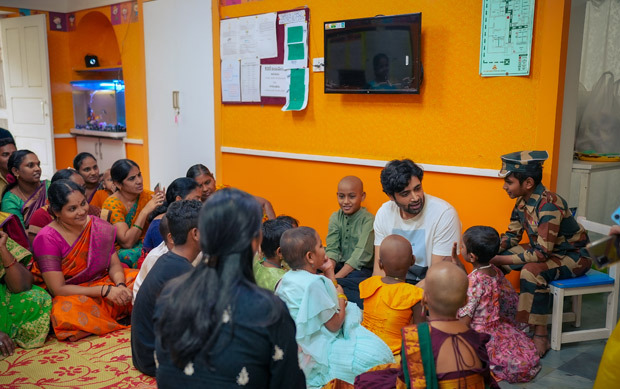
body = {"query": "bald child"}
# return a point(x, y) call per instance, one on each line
point(454, 343)
point(390, 303)
point(350, 238)
point(445, 290)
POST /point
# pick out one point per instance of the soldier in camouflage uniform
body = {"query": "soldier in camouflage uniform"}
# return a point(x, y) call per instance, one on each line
point(557, 242)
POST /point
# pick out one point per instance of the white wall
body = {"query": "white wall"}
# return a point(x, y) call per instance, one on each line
point(179, 57)
point(571, 89)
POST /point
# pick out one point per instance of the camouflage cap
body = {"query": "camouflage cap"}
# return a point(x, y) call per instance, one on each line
point(522, 161)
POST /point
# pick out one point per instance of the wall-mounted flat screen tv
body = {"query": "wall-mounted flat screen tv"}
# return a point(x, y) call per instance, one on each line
point(374, 55)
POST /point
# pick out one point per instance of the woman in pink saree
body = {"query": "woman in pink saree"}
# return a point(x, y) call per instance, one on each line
point(76, 259)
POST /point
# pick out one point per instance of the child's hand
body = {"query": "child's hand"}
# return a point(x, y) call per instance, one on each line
point(327, 266)
point(455, 256)
point(339, 289)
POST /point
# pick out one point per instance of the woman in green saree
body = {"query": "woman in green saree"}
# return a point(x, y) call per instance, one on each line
point(24, 308)
point(26, 192)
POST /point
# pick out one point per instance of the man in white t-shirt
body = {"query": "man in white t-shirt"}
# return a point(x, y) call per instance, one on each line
point(429, 223)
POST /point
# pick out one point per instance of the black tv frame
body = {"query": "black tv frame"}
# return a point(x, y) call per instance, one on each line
point(363, 25)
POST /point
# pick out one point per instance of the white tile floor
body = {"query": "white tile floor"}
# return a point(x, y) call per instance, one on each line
point(576, 364)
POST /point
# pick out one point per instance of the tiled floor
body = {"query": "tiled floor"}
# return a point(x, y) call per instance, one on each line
point(576, 364)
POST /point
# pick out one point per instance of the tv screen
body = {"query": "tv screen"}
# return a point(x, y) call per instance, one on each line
point(373, 55)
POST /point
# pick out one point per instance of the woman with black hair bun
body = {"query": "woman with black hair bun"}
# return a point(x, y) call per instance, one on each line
point(206, 181)
point(26, 192)
point(129, 208)
point(180, 189)
point(214, 326)
point(7, 147)
point(76, 259)
point(86, 165)
point(44, 215)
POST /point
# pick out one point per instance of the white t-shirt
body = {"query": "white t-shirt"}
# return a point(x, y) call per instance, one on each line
point(147, 265)
point(149, 262)
point(433, 231)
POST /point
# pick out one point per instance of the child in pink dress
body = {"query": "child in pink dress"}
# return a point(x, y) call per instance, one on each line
point(491, 309)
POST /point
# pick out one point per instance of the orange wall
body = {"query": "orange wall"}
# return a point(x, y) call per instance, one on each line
point(124, 46)
point(459, 119)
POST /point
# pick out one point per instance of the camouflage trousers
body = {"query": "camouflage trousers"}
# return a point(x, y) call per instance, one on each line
point(534, 299)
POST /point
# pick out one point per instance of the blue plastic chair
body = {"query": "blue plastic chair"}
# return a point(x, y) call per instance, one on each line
point(591, 282)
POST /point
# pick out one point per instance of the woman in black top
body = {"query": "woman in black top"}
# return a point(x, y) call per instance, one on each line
point(214, 327)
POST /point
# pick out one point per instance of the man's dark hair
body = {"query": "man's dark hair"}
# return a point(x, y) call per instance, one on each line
point(164, 230)
point(522, 176)
point(483, 242)
point(295, 244)
point(272, 232)
point(6, 138)
point(397, 174)
point(289, 219)
point(182, 217)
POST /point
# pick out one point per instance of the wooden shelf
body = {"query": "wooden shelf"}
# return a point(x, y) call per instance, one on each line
point(98, 133)
point(99, 69)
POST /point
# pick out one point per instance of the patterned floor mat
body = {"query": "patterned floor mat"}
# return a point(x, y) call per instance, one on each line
point(93, 362)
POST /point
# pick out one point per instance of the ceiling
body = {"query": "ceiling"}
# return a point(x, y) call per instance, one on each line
point(57, 5)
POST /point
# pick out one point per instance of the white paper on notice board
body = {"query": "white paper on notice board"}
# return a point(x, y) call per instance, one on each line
point(229, 38)
point(267, 39)
point(292, 17)
point(274, 81)
point(231, 88)
point(250, 80)
point(248, 37)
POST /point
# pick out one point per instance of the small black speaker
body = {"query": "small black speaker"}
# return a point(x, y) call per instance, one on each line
point(91, 61)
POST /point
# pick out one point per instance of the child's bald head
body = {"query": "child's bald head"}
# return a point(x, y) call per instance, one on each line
point(445, 288)
point(352, 182)
point(350, 194)
point(396, 256)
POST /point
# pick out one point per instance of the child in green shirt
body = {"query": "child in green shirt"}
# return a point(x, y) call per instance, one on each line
point(269, 269)
point(350, 238)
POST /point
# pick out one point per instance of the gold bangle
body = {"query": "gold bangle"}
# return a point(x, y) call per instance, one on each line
point(335, 283)
point(342, 296)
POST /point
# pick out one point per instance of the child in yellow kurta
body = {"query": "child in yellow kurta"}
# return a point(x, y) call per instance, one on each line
point(389, 302)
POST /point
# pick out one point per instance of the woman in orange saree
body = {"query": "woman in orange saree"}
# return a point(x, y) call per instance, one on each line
point(76, 259)
point(129, 208)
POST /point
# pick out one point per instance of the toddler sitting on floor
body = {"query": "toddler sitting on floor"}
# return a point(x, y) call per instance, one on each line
point(332, 343)
point(440, 353)
point(491, 309)
point(268, 270)
point(390, 303)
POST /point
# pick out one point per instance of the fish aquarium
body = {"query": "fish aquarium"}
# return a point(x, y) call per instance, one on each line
point(99, 105)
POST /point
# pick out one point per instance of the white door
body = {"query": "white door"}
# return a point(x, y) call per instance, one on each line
point(179, 57)
point(27, 80)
